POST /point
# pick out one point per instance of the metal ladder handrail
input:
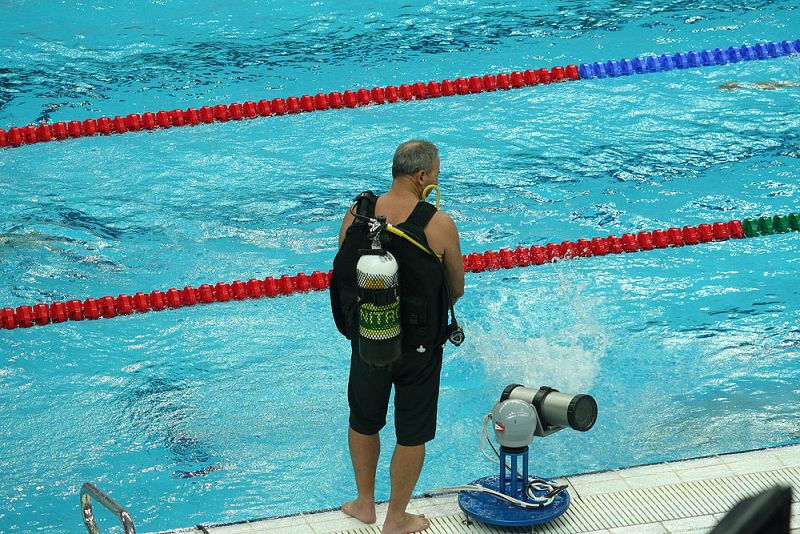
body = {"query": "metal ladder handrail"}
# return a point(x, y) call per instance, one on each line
point(88, 491)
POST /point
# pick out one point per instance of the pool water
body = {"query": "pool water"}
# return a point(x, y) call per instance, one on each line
point(235, 411)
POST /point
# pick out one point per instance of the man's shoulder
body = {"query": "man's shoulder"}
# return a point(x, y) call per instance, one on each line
point(442, 219)
point(441, 228)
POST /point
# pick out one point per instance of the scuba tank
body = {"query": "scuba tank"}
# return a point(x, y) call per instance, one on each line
point(379, 331)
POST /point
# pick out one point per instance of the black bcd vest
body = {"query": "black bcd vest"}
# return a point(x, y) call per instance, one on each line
point(424, 299)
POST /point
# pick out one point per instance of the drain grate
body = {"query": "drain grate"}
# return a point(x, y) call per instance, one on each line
point(665, 503)
point(635, 507)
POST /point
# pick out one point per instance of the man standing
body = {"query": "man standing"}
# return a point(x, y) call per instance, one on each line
point(429, 284)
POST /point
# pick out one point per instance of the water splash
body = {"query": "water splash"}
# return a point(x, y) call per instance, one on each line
point(551, 338)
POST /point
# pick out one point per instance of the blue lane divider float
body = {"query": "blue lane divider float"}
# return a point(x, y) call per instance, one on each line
point(685, 60)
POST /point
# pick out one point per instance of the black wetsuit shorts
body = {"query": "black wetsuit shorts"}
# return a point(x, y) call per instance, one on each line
point(416, 395)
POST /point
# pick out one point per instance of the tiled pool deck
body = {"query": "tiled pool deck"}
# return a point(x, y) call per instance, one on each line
point(688, 496)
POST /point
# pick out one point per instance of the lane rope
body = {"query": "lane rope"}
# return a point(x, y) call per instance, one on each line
point(156, 300)
point(134, 122)
point(691, 59)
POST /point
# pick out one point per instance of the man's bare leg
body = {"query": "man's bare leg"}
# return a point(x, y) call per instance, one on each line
point(405, 469)
point(364, 453)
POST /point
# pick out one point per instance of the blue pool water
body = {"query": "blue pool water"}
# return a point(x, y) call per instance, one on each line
point(234, 411)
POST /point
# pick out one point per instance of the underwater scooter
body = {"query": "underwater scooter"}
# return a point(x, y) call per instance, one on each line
point(513, 499)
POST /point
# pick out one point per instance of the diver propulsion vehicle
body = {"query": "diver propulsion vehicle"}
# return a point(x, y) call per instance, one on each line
point(512, 498)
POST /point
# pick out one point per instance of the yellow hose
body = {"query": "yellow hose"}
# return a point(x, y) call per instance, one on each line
point(399, 232)
point(428, 189)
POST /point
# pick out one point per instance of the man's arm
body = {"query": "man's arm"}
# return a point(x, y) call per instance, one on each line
point(348, 220)
point(447, 236)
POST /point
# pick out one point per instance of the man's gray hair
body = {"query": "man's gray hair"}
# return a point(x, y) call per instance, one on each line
point(414, 156)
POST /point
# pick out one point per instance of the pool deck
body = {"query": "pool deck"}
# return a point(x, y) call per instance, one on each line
point(688, 496)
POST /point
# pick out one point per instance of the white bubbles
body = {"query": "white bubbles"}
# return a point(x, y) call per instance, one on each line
point(535, 361)
point(547, 335)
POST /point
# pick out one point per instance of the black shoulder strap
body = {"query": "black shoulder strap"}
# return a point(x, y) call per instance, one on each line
point(420, 217)
point(365, 204)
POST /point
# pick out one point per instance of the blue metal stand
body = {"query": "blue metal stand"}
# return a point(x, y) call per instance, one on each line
point(496, 511)
point(516, 485)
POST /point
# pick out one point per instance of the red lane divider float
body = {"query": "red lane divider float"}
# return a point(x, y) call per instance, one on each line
point(33, 133)
point(601, 246)
point(59, 131)
point(108, 306)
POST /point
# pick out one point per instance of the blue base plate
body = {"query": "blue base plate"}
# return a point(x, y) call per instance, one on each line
point(495, 511)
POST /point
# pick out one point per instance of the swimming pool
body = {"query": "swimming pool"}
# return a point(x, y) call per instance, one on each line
point(233, 411)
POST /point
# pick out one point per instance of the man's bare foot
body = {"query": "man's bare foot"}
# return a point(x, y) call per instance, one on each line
point(409, 523)
point(364, 511)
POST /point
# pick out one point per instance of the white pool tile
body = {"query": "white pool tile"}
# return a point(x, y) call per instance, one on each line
point(650, 528)
point(698, 463)
point(598, 477)
point(648, 470)
point(243, 528)
point(755, 465)
point(653, 480)
point(588, 488)
point(446, 508)
point(690, 525)
point(336, 525)
point(790, 456)
point(707, 471)
point(330, 515)
point(294, 524)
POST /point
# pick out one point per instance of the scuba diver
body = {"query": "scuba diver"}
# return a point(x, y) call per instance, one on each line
point(764, 86)
point(396, 277)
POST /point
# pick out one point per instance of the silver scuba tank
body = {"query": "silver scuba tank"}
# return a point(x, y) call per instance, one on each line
point(379, 331)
